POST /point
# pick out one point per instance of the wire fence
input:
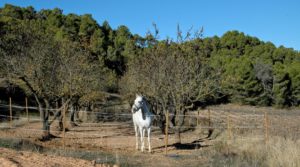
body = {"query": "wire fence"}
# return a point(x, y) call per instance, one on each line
point(234, 125)
point(219, 118)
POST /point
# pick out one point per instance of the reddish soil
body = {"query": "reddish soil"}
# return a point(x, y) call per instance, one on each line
point(117, 138)
point(11, 158)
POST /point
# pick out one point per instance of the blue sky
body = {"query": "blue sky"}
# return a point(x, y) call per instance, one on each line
point(270, 20)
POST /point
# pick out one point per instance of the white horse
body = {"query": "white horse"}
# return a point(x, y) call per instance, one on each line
point(142, 120)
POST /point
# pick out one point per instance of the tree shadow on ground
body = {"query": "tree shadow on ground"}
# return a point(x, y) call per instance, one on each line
point(188, 146)
point(197, 144)
point(48, 137)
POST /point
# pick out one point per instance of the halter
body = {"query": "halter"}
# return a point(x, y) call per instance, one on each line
point(136, 108)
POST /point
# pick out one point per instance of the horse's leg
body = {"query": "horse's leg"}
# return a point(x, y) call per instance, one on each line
point(142, 133)
point(149, 144)
point(136, 137)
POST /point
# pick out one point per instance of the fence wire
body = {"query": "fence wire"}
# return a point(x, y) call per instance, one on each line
point(232, 124)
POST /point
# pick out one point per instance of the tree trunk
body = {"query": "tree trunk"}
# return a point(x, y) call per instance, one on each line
point(60, 121)
point(72, 115)
point(59, 116)
point(62, 114)
point(179, 118)
point(44, 114)
point(46, 126)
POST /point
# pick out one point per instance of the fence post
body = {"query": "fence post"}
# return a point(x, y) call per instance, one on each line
point(198, 122)
point(26, 108)
point(228, 127)
point(209, 118)
point(197, 118)
point(64, 126)
point(10, 112)
point(166, 133)
point(266, 127)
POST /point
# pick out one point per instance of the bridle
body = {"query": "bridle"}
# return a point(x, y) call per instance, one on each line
point(135, 108)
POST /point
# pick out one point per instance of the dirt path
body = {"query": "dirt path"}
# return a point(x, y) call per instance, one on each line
point(11, 158)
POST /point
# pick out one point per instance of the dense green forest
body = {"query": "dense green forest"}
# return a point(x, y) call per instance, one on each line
point(51, 56)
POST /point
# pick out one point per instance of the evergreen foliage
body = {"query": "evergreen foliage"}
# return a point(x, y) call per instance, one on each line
point(250, 71)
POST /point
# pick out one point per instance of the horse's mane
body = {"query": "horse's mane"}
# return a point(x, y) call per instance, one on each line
point(144, 107)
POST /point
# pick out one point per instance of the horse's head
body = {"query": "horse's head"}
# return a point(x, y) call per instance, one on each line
point(139, 101)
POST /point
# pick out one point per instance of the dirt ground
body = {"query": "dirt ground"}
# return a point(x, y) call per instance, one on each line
point(113, 137)
point(116, 140)
point(11, 158)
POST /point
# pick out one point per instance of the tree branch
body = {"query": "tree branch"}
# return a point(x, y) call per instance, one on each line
point(58, 112)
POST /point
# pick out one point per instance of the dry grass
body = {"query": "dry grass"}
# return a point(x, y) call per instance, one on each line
point(248, 147)
point(283, 152)
point(113, 142)
point(277, 152)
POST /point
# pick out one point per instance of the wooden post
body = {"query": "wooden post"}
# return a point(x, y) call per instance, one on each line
point(26, 108)
point(10, 112)
point(228, 127)
point(209, 118)
point(197, 118)
point(64, 126)
point(266, 127)
point(189, 117)
point(166, 133)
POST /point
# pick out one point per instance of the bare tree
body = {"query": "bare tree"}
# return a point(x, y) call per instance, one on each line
point(31, 65)
point(82, 79)
point(175, 76)
point(49, 70)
